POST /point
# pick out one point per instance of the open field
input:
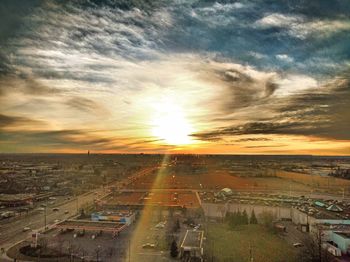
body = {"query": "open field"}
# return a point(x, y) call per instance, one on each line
point(218, 179)
point(331, 184)
point(233, 245)
point(215, 181)
point(155, 198)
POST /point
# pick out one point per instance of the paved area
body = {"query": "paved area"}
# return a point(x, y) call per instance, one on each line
point(293, 235)
point(12, 232)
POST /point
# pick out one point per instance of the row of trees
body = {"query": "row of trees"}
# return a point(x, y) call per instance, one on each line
point(238, 218)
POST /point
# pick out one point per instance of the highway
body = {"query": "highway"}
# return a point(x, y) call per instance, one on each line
point(12, 232)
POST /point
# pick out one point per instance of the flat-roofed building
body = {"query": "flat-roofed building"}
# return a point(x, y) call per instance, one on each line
point(87, 225)
point(342, 240)
point(122, 216)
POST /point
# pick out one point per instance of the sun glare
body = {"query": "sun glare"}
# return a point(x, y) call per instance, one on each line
point(171, 125)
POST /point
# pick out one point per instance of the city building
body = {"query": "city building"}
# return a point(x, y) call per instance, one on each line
point(123, 216)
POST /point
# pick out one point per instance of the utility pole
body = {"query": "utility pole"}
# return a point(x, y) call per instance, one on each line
point(251, 259)
point(98, 253)
point(77, 202)
point(290, 190)
point(45, 218)
point(129, 251)
point(319, 243)
point(45, 215)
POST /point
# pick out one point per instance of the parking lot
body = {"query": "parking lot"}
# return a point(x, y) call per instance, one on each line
point(91, 245)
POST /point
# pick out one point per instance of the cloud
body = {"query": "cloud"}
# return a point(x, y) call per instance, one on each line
point(85, 105)
point(266, 146)
point(253, 139)
point(278, 20)
point(320, 113)
point(26, 84)
point(285, 58)
point(300, 26)
point(10, 121)
point(76, 140)
point(240, 68)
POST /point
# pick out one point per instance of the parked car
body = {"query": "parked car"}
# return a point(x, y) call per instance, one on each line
point(25, 229)
point(148, 246)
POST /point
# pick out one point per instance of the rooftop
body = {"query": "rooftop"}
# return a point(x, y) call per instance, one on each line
point(91, 225)
point(193, 238)
point(343, 234)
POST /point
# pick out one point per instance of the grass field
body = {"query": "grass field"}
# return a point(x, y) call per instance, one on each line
point(325, 183)
point(233, 245)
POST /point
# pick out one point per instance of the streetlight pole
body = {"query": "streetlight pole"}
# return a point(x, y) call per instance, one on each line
point(77, 202)
point(129, 251)
point(251, 258)
point(45, 217)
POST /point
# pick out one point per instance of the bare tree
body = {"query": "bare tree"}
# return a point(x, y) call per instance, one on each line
point(312, 250)
point(267, 219)
point(98, 253)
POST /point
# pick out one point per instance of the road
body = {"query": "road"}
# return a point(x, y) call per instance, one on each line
point(12, 232)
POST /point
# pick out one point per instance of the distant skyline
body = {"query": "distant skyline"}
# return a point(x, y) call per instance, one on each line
point(207, 77)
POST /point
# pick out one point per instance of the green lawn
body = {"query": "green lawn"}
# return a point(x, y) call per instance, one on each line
point(233, 245)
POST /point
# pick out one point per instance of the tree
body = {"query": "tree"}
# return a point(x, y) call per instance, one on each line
point(245, 219)
point(237, 218)
point(267, 219)
point(253, 219)
point(312, 250)
point(177, 226)
point(174, 252)
point(232, 219)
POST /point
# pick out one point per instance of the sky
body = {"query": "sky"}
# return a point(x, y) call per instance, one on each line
point(182, 76)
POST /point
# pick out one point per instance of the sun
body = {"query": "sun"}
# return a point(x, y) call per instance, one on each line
point(171, 125)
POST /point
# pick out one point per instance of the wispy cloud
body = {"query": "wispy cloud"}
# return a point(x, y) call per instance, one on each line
point(243, 72)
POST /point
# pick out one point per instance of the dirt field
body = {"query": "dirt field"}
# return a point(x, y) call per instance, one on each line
point(317, 182)
point(217, 180)
point(155, 198)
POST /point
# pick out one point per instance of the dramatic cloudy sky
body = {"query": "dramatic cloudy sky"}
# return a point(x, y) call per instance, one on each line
point(257, 76)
